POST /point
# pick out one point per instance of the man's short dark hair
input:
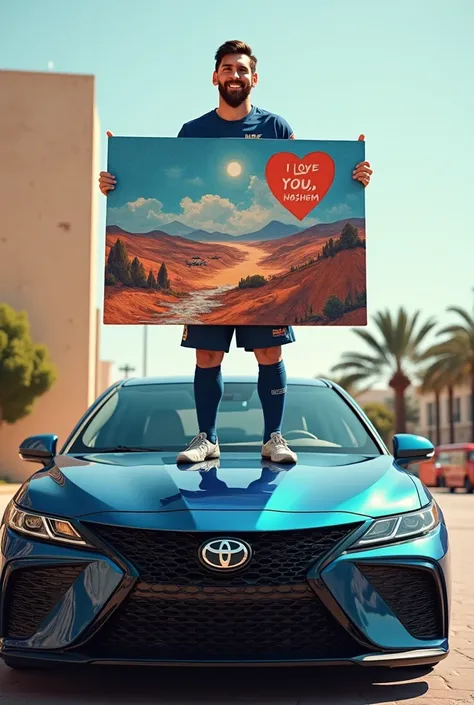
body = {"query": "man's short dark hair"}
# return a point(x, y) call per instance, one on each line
point(235, 46)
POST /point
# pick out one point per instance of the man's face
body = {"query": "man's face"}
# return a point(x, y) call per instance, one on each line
point(234, 79)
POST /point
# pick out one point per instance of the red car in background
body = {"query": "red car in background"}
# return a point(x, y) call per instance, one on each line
point(428, 472)
point(454, 464)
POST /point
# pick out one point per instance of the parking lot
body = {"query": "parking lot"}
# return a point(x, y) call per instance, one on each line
point(452, 681)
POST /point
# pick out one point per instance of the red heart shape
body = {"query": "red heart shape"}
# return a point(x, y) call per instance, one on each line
point(300, 184)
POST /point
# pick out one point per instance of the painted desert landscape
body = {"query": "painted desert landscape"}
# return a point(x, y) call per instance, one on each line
point(235, 232)
point(280, 275)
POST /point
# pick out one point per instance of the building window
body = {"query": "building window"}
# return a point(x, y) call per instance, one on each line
point(430, 413)
point(456, 410)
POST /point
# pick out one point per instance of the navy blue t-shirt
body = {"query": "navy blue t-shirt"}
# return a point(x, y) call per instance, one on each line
point(258, 123)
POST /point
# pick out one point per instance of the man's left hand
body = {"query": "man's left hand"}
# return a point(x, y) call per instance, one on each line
point(362, 172)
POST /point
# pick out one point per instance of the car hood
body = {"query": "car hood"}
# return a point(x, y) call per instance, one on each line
point(110, 487)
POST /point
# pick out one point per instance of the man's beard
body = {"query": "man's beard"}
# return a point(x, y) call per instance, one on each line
point(235, 97)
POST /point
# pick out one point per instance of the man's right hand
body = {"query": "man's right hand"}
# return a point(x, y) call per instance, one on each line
point(107, 181)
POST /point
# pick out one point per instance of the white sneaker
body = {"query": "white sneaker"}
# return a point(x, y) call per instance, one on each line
point(198, 450)
point(277, 450)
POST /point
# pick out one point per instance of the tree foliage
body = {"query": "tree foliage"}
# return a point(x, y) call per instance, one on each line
point(333, 308)
point(118, 264)
point(110, 280)
point(163, 278)
point(120, 270)
point(348, 240)
point(397, 345)
point(412, 409)
point(26, 371)
point(382, 418)
point(451, 362)
point(252, 282)
point(138, 274)
point(151, 281)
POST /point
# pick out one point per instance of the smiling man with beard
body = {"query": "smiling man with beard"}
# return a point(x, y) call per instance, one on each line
point(235, 75)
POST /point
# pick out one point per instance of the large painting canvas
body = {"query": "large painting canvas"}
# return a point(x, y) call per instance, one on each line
point(235, 232)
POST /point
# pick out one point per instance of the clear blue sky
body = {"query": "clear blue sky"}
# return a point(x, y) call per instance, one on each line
point(399, 72)
point(162, 180)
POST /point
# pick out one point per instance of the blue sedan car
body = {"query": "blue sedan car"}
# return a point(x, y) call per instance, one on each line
point(111, 553)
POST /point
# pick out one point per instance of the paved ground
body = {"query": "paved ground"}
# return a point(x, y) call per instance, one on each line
point(450, 683)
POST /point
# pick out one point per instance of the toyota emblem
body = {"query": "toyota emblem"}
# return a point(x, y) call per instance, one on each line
point(225, 554)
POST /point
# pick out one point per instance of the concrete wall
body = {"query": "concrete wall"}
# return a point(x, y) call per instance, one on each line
point(377, 396)
point(105, 376)
point(48, 193)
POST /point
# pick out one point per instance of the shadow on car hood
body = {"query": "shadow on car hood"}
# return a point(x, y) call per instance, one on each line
point(83, 485)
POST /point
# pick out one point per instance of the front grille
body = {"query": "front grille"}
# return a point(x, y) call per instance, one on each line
point(412, 594)
point(166, 622)
point(31, 595)
point(172, 557)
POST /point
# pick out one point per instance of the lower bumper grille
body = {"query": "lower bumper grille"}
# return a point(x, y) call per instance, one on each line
point(31, 595)
point(412, 594)
point(222, 623)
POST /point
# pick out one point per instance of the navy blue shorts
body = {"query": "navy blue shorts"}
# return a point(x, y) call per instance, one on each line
point(219, 338)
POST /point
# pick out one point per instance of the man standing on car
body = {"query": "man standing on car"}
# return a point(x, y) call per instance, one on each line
point(234, 76)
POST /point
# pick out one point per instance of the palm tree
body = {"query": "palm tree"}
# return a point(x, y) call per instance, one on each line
point(399, 345)
point(450, 412)
point(412, 410)
point(456, 354)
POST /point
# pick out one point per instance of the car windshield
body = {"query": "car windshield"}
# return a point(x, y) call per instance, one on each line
point(163, 417)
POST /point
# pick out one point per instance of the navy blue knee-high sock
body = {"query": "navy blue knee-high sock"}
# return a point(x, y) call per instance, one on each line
point(272, 393)
point(208, 391)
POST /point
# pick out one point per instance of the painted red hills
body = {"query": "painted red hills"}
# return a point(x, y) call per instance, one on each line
point(290, 296)
point(124, 306)
point(286, 298)
point(299, 248)
point(156, 247)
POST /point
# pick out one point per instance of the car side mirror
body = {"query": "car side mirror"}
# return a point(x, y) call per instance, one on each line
point(408, 448)
point(39, 449)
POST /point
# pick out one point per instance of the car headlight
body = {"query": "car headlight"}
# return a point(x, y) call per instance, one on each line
point(401, 527)
point(41, 526)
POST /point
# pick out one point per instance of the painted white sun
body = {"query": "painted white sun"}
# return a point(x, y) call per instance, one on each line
point(234, 169)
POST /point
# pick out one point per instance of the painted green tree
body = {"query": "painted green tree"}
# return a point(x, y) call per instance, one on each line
point(333, 308)
point(138, 274)
point(151, 281)
point(163, 278)
point(118, 264)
